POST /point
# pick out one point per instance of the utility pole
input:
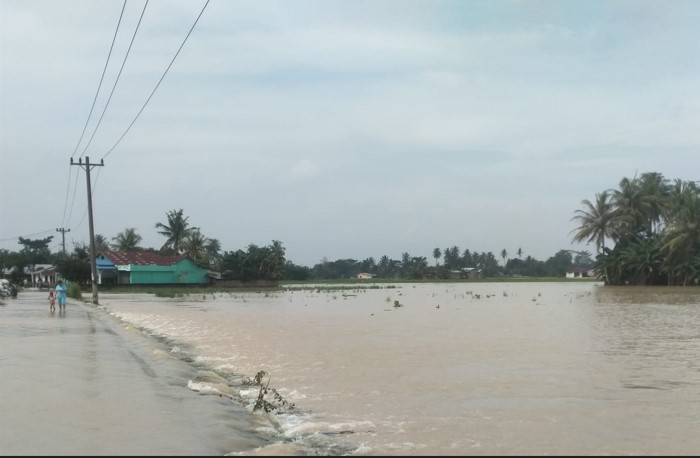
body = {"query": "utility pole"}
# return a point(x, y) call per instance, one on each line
point(63, 231)
point(93, 266)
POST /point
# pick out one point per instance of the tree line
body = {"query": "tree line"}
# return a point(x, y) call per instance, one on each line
point(269, 262)
point(646, 231)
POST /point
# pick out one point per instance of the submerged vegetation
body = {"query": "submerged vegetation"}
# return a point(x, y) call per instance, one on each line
point(268, 399)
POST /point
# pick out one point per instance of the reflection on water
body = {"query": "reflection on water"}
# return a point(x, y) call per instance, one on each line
point(653, 333)
point(459, 368)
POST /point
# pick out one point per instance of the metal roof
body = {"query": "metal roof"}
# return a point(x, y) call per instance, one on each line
point(141, 258)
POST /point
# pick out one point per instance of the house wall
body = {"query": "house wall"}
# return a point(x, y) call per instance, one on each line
point(182, 273)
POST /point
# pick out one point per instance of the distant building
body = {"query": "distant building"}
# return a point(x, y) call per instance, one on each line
point(145, 268)
point(45, 276)
point(580, 272)
point(364, 276)
point(471, 273)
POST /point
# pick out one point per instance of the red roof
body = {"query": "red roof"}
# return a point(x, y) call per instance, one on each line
point(141, 258)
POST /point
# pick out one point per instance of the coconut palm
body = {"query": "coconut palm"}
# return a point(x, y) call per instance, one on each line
point(658, 192)
point(596, 221)
point(383, 268)
point(467, 259)
point(633, 209)
point(437, 254)
point(101, 243)
point(213, 249)
point(176, 230)
point(504, 256)
point(682, 238)
point(127, 240)
point(195, 244)
point(276, 260)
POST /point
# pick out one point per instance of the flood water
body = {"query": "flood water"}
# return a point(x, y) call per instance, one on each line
point(566, 368)
point(570, 368)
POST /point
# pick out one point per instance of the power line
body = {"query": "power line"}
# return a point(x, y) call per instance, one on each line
point(75, 188)
point(101, 79)
point(87, 121)
point(159, 81)
point(117, 79)
point(65, 206)
point(26, 235)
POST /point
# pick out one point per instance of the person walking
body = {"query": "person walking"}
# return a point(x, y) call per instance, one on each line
point(52, 301)
point(61, 295)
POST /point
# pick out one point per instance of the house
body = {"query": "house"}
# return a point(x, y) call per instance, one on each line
point(471, 273)
point(580, 272)
point(364, 276)
point(32, 274)
point(46, 275)
point(145, 268)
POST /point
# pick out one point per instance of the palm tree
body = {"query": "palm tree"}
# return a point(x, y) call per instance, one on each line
point(101, 243)
point(658, 192)
point(437, 254)
point(213, 249)
point(520, 253)
point(467, 259)
point(195, 244)
point(682, 239)
point(450, 257)
point(127, 240)
point(405, 264)
point(504, 255)
point(175, 230)
point(384, 266)
point(276, 260)
point(596, 221)
point(633, 209)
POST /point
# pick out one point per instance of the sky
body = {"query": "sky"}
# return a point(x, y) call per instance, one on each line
point(343, 129)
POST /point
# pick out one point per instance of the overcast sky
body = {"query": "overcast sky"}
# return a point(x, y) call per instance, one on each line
point(344, 129)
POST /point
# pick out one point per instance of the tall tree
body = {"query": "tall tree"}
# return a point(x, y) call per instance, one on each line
point(682, 240)
point(384, 266)
point(437, 254)
point(504, 256)
point(195, 245)
point(101, 243)
point(127, 240)
point(276, 260)
point(213, 249)
point(175, 230)
point(658, 193)
point(596, 221)
point(35, 251)
point(632, 209)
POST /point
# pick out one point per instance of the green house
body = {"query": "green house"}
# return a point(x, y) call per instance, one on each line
point(144, 268)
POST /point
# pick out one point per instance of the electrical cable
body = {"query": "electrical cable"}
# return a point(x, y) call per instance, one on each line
point(159, 81)
point(117, 79)
point(101, 79)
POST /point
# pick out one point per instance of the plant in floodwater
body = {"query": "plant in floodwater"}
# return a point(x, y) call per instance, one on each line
point(397, 304)
point(263, 402)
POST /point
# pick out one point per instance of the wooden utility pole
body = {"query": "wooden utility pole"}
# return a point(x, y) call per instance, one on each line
point(93, 266)
point(63, 231)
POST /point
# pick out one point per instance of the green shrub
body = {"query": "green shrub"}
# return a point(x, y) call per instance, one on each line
point(74, 291)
